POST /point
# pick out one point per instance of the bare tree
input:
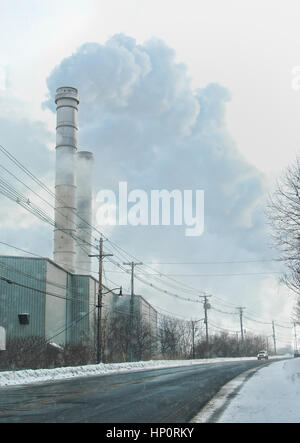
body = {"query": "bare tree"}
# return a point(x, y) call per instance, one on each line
point(175, 338)
point(169, 337)
point(116, 336)
point(284, 215)
point(143, 339)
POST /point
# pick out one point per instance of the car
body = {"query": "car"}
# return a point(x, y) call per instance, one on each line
point(296, 354)
point(262, 355)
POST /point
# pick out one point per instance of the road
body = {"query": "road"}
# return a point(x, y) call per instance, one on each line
point(169, 395)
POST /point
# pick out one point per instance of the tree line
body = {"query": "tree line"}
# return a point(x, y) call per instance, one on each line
point(168, 339)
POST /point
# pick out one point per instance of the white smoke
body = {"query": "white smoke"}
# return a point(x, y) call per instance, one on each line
point(146, 125)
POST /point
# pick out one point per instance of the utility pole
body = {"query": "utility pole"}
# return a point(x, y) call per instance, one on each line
point(132, 265)
point(274, 338)
point(193, 339)
point(206, 306)
point(240, 308)
point(237, 342)
point(99, 305)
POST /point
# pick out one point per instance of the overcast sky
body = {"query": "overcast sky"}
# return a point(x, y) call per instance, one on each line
point(223, 71)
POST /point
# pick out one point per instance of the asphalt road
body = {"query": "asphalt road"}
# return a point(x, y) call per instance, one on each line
point(171, 395)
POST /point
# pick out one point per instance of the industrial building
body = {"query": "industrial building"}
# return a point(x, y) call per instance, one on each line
point(57, 299)
point(117, 328)
point(40, 298)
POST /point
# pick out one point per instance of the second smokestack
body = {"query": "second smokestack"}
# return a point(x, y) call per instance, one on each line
point(84, 171)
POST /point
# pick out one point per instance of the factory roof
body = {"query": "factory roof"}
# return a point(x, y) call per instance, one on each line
point(48, 260)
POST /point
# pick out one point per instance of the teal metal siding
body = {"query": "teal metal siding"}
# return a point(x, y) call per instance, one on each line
point(14, 299)
point(31, 299)
point(78, 308)
point(69, 309)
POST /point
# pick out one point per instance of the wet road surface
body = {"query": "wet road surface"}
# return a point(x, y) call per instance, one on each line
point(169, 395)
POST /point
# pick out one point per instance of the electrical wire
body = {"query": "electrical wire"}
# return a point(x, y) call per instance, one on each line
point(166, 279)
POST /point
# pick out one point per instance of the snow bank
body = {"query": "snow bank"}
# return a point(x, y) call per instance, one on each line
point(272, 395)
point(8, 378)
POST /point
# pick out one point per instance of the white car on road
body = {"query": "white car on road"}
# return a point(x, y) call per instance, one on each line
point(262, 355)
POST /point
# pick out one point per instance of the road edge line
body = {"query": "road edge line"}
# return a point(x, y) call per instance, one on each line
point(212, 411)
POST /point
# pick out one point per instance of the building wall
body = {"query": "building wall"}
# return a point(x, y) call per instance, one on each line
point(144, 338)
point(56, 303)
point(16, 300)
point(93, 301)
point(149, 317)
point(78, 326)
point(2, 339)
point(82, 309)
point(141, 308)
point(62, 306)
point(148, 313)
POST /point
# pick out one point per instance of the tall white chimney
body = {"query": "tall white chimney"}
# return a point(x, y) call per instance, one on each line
point(84, 170)
point(67, 101)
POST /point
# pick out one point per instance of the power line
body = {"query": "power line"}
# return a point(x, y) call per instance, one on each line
point(35, 278)
point(219, 275)
point(9, 192)
point(21, 250)
point(41, 291)
point(44, 217)
point(213, 325)
point(19, 198)
point(40, 213)
point(152, 285)
point(215, 262)
point(223, 312)
point(60, 331)
point(160, 275)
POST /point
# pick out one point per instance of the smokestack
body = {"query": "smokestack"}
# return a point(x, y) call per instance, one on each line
point(84, 167)
point(67, 101)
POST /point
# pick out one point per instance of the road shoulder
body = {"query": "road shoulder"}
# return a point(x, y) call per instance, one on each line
point(213, 410)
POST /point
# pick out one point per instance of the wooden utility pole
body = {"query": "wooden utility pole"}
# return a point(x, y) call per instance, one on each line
point(99, 304)
point(206, 306)
point(240, 308)
point(193, 339)
point(132, 265)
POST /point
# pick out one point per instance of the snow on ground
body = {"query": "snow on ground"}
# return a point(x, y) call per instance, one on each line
point(271, 395)
point(28, 376)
